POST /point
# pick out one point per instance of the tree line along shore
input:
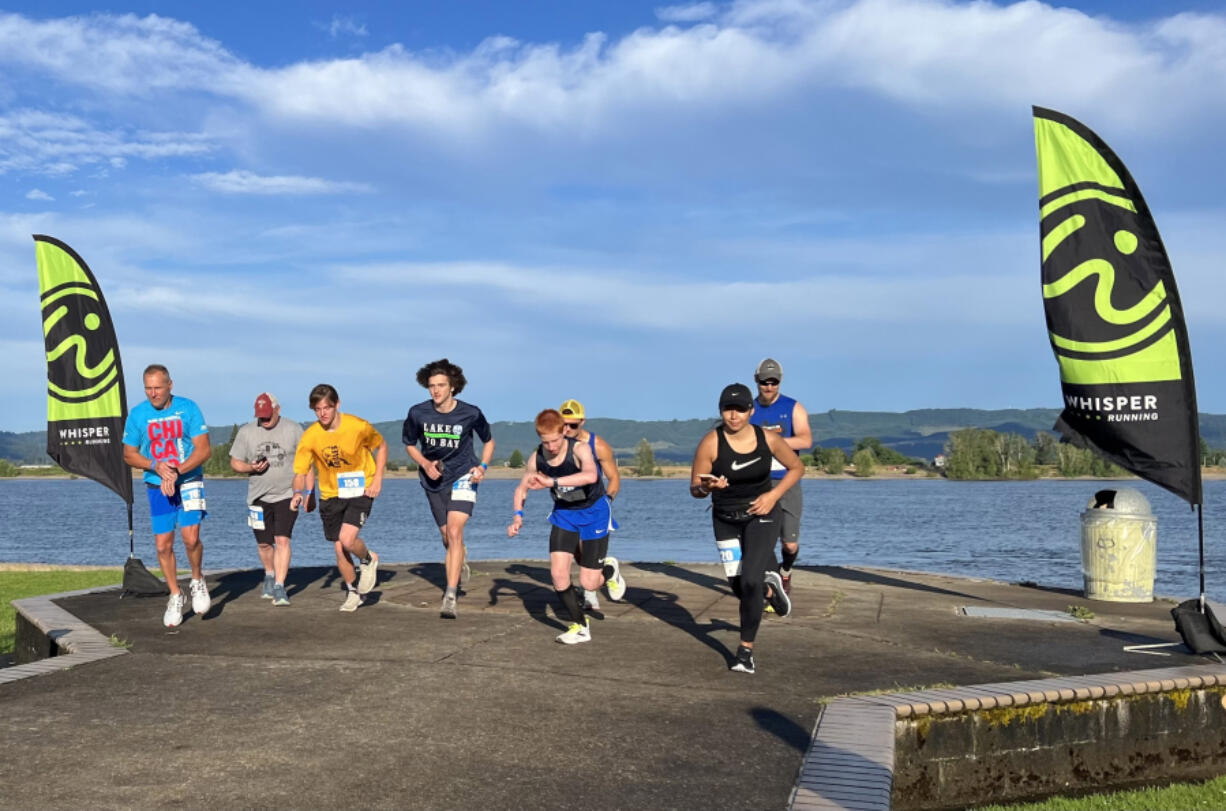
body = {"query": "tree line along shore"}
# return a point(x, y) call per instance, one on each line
point(971, 454)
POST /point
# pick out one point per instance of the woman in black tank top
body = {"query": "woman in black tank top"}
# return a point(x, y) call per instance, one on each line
point(732, 465)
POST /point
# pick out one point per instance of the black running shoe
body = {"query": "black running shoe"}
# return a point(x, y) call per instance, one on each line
point(779, 600)
point(744, 660)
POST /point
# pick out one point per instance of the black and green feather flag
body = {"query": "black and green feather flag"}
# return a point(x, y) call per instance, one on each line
point(86, 406)
point(1113, 312)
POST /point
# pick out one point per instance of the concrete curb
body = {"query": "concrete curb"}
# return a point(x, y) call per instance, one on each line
point(80, 643)
point(850, 762)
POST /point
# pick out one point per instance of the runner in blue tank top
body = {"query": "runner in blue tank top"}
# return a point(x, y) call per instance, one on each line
point(788, 418)
point(574, 416)
point(580, 517)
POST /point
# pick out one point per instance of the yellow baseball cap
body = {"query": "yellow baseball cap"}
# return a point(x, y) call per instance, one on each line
point(572, 410)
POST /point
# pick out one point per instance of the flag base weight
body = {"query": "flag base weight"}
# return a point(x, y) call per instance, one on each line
point(140, 582)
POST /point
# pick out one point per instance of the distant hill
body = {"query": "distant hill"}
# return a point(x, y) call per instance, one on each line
point(921, 433)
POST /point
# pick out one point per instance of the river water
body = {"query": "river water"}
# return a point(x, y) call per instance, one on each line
point(1012, 531)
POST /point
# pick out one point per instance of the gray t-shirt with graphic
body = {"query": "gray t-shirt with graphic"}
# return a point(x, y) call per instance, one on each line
point(277, 445)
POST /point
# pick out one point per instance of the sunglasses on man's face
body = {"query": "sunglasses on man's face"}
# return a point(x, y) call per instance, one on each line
point(574, 426)
point(771, 382)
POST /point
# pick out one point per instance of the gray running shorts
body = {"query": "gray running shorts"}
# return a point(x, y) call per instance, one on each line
point(790, 507)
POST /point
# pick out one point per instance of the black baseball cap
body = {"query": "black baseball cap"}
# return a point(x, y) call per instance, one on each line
point(735, 395)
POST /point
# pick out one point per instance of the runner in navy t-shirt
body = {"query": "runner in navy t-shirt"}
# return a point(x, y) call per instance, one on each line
point(448, 468)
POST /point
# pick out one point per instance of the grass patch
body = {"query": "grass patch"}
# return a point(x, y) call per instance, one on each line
point(16, 585)
point(1210, 794)
point(1080, 612)
point(833, 607)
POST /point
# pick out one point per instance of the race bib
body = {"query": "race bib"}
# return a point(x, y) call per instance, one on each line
point(351, 484)
point(569, 494)
point(464, 489)
point(191, 496)
point(730, 556)
point(255, 516)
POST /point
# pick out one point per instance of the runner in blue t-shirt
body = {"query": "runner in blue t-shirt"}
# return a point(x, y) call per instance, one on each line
point(447, 466)
point(167, 438)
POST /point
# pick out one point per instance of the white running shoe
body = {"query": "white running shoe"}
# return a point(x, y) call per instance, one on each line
point(366, 581)
point(174, 611)
point(590, 601)
point(448, 611)
point(615, 584)
point(352, 601)
point(201, 601)
point(575, 634)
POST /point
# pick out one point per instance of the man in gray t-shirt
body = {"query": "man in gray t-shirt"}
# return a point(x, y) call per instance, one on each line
point(264, 450)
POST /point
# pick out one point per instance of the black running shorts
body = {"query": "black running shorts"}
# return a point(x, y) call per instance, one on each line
point(278, 520)
point(334, 512)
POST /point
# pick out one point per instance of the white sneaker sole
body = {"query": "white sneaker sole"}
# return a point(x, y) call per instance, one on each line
point(369, 576)
point(616, 587)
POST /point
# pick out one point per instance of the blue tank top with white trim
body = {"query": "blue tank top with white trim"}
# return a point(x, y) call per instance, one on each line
point(777, 415)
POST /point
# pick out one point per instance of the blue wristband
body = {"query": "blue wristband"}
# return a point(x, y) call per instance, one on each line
point(520, 513)
point(485, 466)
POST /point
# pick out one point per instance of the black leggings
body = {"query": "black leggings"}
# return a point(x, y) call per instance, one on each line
point(757, 537)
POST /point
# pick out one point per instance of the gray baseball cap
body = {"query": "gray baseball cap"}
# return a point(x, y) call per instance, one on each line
point(769, 369)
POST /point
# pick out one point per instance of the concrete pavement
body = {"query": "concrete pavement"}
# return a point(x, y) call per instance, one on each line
point(257, 707)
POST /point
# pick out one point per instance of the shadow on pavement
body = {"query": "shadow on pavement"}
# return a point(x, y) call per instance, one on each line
point(782, 727)
point(664, 606)
point(231, 586)
point(536, 599)
point(1030, 584)
point(856, 576)
point(690, 576)
point(433, 573)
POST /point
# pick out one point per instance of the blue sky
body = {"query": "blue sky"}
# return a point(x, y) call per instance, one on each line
point(622, 202)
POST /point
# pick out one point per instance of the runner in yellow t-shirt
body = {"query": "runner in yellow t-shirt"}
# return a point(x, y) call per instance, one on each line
point(349, 456)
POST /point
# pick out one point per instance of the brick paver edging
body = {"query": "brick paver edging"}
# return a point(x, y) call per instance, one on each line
point(78, 642)
point(850, 762)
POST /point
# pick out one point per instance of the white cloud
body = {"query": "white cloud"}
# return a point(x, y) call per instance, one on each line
point(932, 54)
point(122, 54)
point(689, 13)
point(686, 303)
point(37, 142)
point(344, 25)
point(243, 182)
point(977, 56)
point(38, 194)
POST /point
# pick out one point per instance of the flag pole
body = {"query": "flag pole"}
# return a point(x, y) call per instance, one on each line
point(132, 540)
point(1200, 531)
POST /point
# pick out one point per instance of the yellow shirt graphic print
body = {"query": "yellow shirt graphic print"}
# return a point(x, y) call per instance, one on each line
point(347, 451)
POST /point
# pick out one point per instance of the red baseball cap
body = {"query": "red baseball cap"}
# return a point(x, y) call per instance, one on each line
point(264, 406)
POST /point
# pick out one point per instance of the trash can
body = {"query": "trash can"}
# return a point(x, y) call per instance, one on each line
point(1119, 547)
